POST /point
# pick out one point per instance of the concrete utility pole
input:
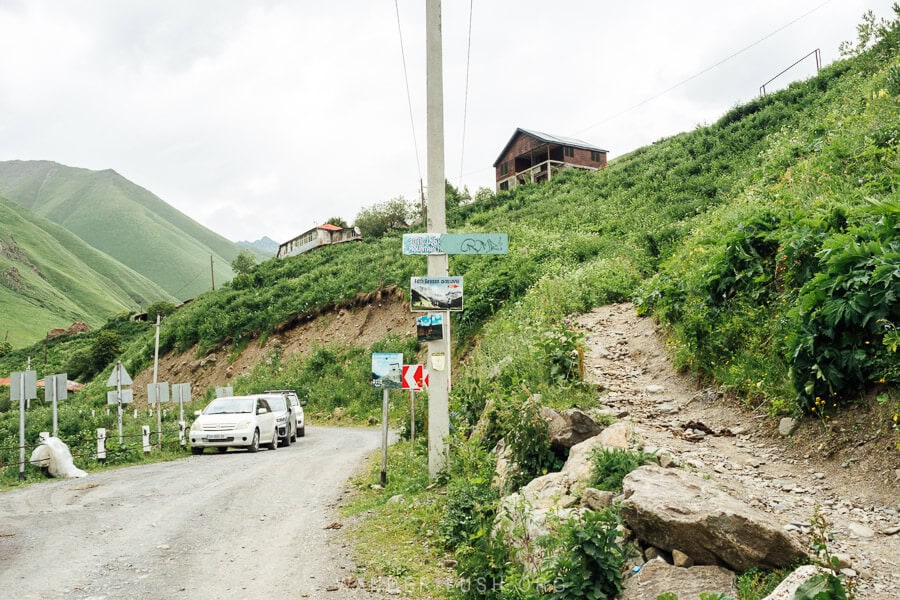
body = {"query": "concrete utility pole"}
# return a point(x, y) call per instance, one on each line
point(438, 391)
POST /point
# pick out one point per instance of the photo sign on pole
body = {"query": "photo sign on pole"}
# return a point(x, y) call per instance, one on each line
point(430, 327)
point(22, 386)
point(436, 293)
point(455, 243)
point(387, 374)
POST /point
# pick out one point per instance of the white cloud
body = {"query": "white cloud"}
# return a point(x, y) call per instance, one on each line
point(262, 118)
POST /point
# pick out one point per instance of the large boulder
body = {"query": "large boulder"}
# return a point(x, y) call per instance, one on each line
point(671, 509)
point(658, 577)
point(568, 427)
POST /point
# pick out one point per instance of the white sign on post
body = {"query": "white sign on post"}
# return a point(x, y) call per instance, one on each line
point(163, 392)
point(56, 389)
point(224, 391)
point(123, 377)
point(127, 397)
point(22, 386)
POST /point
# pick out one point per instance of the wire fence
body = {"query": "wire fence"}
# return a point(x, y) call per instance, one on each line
point(171, 439)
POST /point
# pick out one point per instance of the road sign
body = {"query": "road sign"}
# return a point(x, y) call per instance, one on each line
point(387, 372)
point(127, 397)
point(123, 377)
point(413, 377)
point(163, 392)
point(16, 389)
point(436, 293)
point(58, 384)
point(455, 243)
point(222, 392)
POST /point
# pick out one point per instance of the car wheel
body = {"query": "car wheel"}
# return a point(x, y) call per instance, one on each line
point(294, 434)
point(221, 449)
point(254, 445)
point(286, 441)
point(196, 450)
point(301, 432)
point(274, 444)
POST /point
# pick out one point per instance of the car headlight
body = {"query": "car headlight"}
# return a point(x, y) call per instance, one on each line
point(195, 426)
point(244, 423)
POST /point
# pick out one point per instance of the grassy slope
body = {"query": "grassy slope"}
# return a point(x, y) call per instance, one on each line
point(123, 220)
point(60, 279)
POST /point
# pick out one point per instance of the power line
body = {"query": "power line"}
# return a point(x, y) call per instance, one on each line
point(462, 152)
point(412, 122)
point(706, 70)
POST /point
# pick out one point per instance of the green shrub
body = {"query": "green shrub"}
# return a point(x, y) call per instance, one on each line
point(528, 441)
point(587, 558)
point(611, 465)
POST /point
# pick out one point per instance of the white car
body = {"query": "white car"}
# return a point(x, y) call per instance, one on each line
point(296, 408)
point(234, 421)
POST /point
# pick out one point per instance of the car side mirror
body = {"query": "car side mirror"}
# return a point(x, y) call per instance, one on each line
point(261, 411)
point(196, 413)
point(303, 403)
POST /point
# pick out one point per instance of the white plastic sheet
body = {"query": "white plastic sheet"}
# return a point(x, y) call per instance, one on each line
point(55, 456)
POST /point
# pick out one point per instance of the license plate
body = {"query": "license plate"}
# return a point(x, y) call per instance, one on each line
point(216, 436)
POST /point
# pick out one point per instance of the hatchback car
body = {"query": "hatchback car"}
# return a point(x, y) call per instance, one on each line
point(234, 421)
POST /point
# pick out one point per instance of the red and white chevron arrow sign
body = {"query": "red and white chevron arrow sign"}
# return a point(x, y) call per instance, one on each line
point(414, 377)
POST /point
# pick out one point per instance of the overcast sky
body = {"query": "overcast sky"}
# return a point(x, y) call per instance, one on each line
point(265, 117)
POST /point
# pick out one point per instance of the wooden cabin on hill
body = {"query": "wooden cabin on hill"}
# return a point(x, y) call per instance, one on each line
point(321, 235)
point(532, 157)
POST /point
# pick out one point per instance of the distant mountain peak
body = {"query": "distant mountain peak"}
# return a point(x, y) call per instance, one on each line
point(265, 243)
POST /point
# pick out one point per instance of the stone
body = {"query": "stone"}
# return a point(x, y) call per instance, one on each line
point(549, 491)
point(395, 499)
point(650, 553)
point(657, 577)
point(787, 426)
point(860, 530)
point(680, 559)
point(788, 587)
point(843, 560)
point(339, 412)
point(891, 530)
point(596, 499)
point(669, 509)
point(504, 466)
point(617, 435)
point(569, 427)
point(654, 389)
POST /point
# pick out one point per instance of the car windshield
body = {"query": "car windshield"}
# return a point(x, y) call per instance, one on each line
point(277, 403)
point(221, 406)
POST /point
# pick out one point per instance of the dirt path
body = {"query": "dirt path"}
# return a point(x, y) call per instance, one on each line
point(216, 526)
point(735, 448)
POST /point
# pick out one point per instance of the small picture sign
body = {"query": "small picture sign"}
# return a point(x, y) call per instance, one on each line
point(436, 293)
point(387, 370)
point(430, 327)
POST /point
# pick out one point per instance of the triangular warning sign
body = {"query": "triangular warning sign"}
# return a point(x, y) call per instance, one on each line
point(123, 378)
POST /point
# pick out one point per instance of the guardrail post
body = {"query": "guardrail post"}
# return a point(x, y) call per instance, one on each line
point(181, 426)
point(101, 444)
point(145, 436)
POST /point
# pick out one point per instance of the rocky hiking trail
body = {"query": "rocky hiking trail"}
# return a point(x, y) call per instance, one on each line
point(702, 432)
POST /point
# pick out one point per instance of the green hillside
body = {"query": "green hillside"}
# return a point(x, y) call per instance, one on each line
point(124, 221)
point(50, 278)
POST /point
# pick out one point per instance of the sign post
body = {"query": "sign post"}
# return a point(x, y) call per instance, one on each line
point(387, 374)
point(117, 379)
point(24, 386)
point(156, 385)
point(56, 389)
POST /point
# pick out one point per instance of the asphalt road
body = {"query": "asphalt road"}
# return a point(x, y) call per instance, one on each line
point(215, 526)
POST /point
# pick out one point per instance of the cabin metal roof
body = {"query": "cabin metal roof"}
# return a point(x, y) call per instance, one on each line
point(548, 139)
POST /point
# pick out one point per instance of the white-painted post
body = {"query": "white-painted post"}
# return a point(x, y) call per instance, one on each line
point(145, 437)
point(181, 427)
point(135, 414)
point(101, 445)
point(156, 384)
point(438, 265)
point(384, 436)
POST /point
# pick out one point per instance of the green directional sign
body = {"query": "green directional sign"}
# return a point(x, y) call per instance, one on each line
point(455, 243)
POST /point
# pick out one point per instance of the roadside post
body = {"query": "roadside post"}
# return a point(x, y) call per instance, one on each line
point(156, 385)
point(387, 374)
point(56, 389)
point(22, 385)
point(101, 445)
point(413, 380)
point(145, 438)
point(181, 392)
